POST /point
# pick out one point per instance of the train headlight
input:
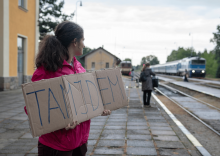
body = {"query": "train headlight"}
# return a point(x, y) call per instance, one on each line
point(193, 71)
point(203, 71)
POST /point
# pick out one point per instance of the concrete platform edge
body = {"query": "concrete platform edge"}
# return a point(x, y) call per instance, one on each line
point(194, 141)
point(195, 90)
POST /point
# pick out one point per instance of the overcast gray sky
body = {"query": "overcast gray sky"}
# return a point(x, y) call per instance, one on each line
point(133, 29)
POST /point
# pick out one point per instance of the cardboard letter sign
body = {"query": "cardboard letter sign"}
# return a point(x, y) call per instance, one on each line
point(84, 96)
point(112, 89)
point(54, 103)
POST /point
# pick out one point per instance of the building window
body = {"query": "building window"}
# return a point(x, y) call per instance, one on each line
point(107, 65)
point(22, 4)
point(20, 69)
point(93, 65)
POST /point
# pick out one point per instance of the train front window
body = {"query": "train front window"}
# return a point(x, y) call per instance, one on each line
point(126, 65)
point(198, 61)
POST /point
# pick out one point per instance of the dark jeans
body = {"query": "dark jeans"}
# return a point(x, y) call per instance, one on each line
point(185, 79)
point(148, 92)
point(47, 151)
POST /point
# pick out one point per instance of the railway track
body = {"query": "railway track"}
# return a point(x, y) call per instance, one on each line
point(203, 81)
point(195, 107)
point(205, 113)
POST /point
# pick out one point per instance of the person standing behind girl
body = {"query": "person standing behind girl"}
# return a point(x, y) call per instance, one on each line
point(186, 76)
point(56, 57)
point(147, 86)
point(132, 74)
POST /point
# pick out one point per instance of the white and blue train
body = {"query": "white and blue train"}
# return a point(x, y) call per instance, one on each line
point(195, 66)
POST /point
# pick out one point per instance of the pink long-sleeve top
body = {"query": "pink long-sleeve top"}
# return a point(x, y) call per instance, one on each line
point(63, 140)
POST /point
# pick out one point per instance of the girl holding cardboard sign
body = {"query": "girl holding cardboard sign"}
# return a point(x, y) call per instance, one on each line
point(56, 57)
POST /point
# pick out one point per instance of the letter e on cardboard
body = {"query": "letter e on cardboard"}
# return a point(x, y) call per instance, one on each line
point(112, 88)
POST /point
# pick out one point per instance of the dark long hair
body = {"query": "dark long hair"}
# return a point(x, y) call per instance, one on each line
point(54, 49)
point(145, 66)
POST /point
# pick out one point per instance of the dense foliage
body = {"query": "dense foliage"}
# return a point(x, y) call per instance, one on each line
point(216, 41)
point(211, 63)
point(151, 59)
point(127, 59)
point(181, 53)
point(50, 14)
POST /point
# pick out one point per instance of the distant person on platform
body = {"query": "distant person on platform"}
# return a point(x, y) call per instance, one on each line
point(132, 74)
point(147, 86)
point(186, 76)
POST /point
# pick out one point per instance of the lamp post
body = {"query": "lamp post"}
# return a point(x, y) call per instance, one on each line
point(176, 50)
point(191, 34)
point(123, 50)
point(166, 53)
point(76, 8)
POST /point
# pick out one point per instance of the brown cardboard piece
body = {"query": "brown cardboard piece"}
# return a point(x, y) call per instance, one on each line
point(112, 89)
point(54, 103)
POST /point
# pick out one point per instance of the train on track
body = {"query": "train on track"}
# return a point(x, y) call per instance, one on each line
point(125, 67)
point(195, 66)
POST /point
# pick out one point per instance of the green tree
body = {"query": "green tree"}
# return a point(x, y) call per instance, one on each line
point(143, 61)
point(127, 59)
point(50, 14)
point(216, 41)
point(152, 59)
point(211, 63)
point(181, 53)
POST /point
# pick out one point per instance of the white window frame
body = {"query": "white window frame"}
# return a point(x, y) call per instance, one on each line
point(24, 8)
point(25, 39)
point(106, 65)
point(92, 66)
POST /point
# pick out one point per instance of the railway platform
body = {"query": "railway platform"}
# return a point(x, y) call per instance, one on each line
point(193, 86)
point(194, 79)
point(132, 130)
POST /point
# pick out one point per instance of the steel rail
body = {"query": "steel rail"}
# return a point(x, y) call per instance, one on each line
point(189, 96)
point(191, 138)
point(189, 112)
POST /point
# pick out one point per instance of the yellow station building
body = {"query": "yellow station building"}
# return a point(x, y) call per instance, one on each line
point(99, 59)
point(19, 35)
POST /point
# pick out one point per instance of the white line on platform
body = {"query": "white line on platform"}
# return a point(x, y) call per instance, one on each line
point(194, 141)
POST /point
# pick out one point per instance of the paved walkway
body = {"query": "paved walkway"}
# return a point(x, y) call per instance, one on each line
point(132, 130)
